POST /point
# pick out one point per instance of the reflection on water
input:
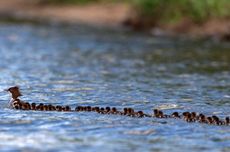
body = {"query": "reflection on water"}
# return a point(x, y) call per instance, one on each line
point(75, 65)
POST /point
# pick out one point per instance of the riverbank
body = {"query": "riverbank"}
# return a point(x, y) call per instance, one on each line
point(111, 15)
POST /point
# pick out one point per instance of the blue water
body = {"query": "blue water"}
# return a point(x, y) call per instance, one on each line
point(82, 66)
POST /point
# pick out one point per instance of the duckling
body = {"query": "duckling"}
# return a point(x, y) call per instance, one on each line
point(45, 108)
point(202, 118)
point(185, 114)
point(193, 116)
point(84, 108)
point(78, 108)
point(140, 114)
point(89, 108)
point(37, 107)
point(67, 108)
point(41, 106)
point(53, 108)
point(33, 106)
point(102, 110)
point(175, 115)
point(156, 113)
point(161, 114)
point(17, 107)
point(49, 107)
point(15, 103)
point(107, 110)
point(199, 116)
point(216, 120)
point(227, 121)
point(97, 109)
point(125, 110)
point(93, 109)
point(25, 106)
point(209, 120)
point(59, 108)
point(28, 105)
point(188, 117)
point(130, 112)
point(113, 110)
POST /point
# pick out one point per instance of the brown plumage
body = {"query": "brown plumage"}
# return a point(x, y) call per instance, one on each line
point(175, 115)
point(14, 92)
point(140, 114)
point(33, 106)
point(156, 113)
point(227, 121)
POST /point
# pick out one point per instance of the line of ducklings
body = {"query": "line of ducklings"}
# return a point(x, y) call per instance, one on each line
point(187, 116)
point(16, 103)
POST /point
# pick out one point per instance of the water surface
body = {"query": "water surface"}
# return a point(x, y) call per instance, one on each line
point(82, 66)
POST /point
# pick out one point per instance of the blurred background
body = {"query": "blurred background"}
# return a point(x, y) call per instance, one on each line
point(193, 17)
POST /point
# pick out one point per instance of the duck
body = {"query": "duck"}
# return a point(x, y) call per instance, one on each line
point(140, 114)
point(67, 108)
point(15, 93)
point(33, 106)
point(97, 109)
point(227, 121)
point(209, 120)
point(113, 110)
point(155, 113)
point(107, 110)
point(124, 111)
point(175, 115)
point(102, 110)
point(193, 116)
point(89, 108)
point(161, 114)
point(216, 120)
point(78, 108)
point(188, 117)
point(59, 108)
point(202, 118)
point(45, 108)
point(130, 112)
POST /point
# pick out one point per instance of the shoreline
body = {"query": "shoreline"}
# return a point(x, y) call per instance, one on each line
point(99, 15)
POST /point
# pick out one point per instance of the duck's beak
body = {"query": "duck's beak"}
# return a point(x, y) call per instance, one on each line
point(6, 90)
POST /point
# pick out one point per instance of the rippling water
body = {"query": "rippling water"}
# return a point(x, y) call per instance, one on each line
point(83, 66)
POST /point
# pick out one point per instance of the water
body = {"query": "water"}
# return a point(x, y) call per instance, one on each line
point(83, 66)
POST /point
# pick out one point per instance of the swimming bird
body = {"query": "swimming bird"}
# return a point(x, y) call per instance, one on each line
point(175, 115)
point(89, 108)
point(33, 106)
point(14, 92)
point(209, 120)
point(156, 113)
point(227, 121)
point(113, 110)
point(124, 111)
point(140, 114)
point(107, 110)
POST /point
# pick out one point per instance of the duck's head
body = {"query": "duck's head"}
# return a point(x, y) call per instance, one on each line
point(15, 92)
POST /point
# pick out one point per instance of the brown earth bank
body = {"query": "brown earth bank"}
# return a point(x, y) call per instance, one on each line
point(114, 15)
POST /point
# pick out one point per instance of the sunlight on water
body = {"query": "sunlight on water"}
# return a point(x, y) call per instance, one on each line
point(77, 66)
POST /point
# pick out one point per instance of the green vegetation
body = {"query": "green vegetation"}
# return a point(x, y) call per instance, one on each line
point(168, 11)
point(175, 10)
